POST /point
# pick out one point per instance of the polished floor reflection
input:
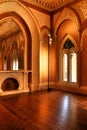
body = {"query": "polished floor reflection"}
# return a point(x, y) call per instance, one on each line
point(54, 110)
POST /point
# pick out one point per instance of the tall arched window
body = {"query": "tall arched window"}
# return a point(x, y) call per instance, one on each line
point(68, 62)
point(15, 63)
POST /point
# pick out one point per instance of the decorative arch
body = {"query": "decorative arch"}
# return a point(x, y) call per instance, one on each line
point(26, 15)
point(67, 13)
point(14, 77)
point(10, 84)
point(64, 40)
point(44, 30)
point(68, 61)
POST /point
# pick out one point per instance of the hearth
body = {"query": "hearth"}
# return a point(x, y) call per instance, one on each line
point(12, 82)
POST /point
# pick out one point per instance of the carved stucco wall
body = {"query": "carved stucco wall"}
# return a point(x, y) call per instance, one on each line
point(81, 9)
point(77, 13)
point(67, 13)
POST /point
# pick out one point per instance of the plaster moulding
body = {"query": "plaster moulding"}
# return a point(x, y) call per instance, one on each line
point(67, 13)
point(49, 5)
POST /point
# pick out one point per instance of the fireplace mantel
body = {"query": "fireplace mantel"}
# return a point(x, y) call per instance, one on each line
point(20, 75)
point(15, 71)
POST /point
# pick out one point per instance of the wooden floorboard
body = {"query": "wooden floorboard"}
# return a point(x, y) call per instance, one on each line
point(54, 110)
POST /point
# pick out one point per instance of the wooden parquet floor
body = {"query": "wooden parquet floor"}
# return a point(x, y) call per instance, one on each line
point(54, 110)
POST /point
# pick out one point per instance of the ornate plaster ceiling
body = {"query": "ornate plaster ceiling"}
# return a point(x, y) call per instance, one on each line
point(49, 5)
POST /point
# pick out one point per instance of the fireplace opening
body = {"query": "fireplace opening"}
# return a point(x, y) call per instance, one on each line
point(10, 84)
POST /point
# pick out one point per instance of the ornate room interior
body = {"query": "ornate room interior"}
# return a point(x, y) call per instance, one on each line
point(43, 65)
point(43, 46)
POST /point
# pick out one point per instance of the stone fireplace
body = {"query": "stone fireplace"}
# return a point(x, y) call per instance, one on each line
point(21, 77)
point(10, 84)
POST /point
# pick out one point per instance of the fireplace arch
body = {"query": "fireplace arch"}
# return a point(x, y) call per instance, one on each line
point(10, 84)
point(17, 76)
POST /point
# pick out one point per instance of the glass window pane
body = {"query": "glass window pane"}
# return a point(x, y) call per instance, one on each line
point(5, 64)
point(13, 64)
point(65, 67)
point(16, 64)
point(73, 67)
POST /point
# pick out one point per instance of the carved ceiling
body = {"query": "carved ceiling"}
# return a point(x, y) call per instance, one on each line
point(49, 5)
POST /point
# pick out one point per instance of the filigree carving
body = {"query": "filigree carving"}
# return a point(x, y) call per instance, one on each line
point(81, 8)
point(67, 13)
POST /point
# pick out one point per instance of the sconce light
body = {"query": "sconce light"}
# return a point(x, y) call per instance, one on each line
point(50, 39)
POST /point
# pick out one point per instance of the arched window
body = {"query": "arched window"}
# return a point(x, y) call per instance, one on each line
point(15, 64)
point(5, 63)
point(14, 55)
point(68, 62)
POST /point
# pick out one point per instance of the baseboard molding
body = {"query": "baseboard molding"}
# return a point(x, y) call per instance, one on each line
point(41, 86)
point(73, 89)
point(13, 92)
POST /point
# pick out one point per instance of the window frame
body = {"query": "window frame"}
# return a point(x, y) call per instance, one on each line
point(63, 51)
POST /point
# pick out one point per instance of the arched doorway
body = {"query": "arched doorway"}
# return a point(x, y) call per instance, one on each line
point(23, 17)
point(14, 40)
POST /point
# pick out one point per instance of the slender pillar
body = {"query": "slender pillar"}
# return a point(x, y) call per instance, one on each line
point(49, 43)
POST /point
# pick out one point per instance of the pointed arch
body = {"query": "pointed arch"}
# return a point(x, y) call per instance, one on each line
point(68, 60)
point(67, 14)
point(32, 24)
point(72, 40)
